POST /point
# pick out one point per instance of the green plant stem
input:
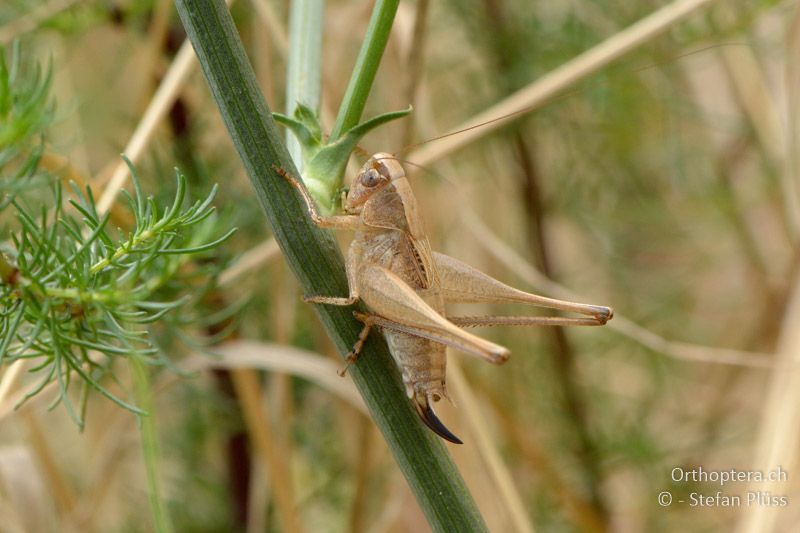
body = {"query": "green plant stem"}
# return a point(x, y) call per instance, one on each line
point(315, 259)
point(147, 428)
point(304, 65)
point(367, 63)
point(125, 249)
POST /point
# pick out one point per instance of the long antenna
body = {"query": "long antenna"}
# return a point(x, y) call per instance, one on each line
point(561, 78)
point(510, 116)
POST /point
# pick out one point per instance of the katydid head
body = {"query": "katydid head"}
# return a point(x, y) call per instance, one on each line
point(380, 170)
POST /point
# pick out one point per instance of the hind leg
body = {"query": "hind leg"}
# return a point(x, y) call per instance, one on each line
point(352, 355)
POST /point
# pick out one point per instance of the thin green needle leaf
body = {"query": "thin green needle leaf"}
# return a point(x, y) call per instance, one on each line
point(176, 205)
point(102, 390)
point(10, 331)
point(201, 248)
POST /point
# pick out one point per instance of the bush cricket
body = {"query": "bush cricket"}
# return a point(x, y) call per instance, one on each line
point(405, 286)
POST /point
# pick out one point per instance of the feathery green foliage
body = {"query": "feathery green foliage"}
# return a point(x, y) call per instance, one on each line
point(72, 286)
point(75, 293)
point(25, 111)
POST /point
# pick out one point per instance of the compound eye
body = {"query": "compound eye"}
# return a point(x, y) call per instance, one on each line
point(370, 178)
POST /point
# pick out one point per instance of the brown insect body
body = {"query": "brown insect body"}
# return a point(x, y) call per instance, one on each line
point(405, 286)
point(388, 241)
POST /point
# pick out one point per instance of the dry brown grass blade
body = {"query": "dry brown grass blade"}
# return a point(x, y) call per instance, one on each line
point(556, 81)
point(779, 428)
point(274, 26)
point(414, 51)
point(791, 173)
point(259, 494)
point(249, 261)
point(248, 391)
point(748, 80)
point(158, 29)
point(679, 350)
point(279, 358)
point(507, 491)
point(159, 106)
point(8, 381)
point(780, 424)
point(762, 111)
point(365, 445)
point(237, 354)
point(279, 400)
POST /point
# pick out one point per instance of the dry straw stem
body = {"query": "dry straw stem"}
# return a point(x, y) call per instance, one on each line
point(363, 468)
point(166, 94)
point(249, 261)
point(780, 423)
point(248, 391)
point(759, 106)
point(259, 499)
point(780, 419)
point(279, 358)
point(156, 36)
point(537, 93)
point(9, 379)
point(791, 173)
point(231, 355)
point(748, 80)
point(163, 99)
point(487, 448)
point(274, 26)
point(415, 33)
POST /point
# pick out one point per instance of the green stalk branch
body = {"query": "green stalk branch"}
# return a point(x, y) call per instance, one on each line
point(304, 64)
point(147, 428)
point(317, 262)
point(367, 63)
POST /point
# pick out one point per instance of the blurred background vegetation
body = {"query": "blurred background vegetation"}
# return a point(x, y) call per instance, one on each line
point(665, 186)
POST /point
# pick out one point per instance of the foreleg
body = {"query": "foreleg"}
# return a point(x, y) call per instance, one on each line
point(336, 221)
